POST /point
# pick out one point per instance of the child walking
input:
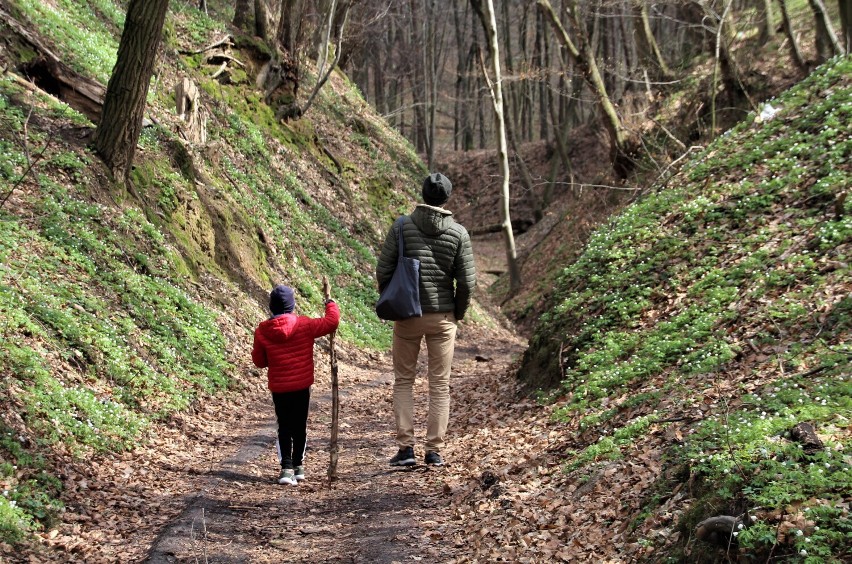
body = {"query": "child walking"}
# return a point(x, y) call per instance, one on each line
point(284, 343)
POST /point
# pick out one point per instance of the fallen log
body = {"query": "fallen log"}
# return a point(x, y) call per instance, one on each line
point(50, 74)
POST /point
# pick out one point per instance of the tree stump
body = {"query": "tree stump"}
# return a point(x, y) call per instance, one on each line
point(187, 105)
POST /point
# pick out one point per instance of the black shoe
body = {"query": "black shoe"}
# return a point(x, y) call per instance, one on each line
point(434, 459)
point(405, 457)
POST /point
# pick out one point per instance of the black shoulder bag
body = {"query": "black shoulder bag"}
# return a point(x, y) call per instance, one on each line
point(400, 298)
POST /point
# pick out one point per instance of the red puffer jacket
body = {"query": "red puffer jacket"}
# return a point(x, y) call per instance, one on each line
point(285, 344)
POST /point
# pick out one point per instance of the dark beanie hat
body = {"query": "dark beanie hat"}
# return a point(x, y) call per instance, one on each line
point(282, 300)
point(436, 189)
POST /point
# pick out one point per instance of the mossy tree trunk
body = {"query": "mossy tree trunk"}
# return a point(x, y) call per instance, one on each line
point(124, 103)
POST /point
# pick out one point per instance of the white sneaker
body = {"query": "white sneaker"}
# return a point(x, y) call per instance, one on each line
point(287, 476)
point(300, 473)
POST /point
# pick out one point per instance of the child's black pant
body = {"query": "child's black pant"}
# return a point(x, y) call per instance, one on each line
point(291, 411)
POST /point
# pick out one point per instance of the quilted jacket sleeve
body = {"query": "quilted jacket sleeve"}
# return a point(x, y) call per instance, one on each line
point(325, 325)
point(465, 275)
point(258, 352)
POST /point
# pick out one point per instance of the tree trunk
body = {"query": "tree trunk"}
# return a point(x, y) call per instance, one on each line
point(795, 51)
point(323, 73)
point(543, 62)
point(486, 13)
point(431, 60)
point(202, 5)
point(646, 44)
point(767, 27)
point(124, 104)
point(827, 44)
point(459, 104)
point(378, 62)
point(242, 14)
point(584, 59)
point(261, 26)
point(845, 8)
point(289, 32)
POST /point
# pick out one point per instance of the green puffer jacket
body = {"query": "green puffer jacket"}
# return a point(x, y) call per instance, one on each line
point(447, 272)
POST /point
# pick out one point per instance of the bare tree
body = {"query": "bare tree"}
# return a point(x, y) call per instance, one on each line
point(486, 13)
point(795, 51)
point(322, 72)
point(436, 23)
point(583, 56)
point(649, 49)
point(827, 44)
point(124, 103)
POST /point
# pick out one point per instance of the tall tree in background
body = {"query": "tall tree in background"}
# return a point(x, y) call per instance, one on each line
point(485, 9)
point(289, 33)
point(242, 14)
point(261, 25)
point(795, 51)
point(433, 64)
point(845, 8)
point(827, 44)
point(583, 56)
point(767, 23)
point(646, 44)
point(124, 103)
point(335, 28)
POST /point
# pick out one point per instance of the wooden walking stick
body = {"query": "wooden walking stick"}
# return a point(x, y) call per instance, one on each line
point(335, 401)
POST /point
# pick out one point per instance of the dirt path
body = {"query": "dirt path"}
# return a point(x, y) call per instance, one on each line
point(202, 487)
point(373, 513)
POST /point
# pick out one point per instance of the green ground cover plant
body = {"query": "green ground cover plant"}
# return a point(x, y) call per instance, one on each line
point(103, 328)
point(732, 282)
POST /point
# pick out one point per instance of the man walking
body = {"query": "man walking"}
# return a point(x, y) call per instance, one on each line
point(447, 280)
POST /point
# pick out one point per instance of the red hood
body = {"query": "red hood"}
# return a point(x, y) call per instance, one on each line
point(278, 329)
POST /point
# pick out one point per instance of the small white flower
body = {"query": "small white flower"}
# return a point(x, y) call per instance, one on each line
point(803, 552)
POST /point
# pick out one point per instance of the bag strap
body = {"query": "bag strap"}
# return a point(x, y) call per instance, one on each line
point(401, 241)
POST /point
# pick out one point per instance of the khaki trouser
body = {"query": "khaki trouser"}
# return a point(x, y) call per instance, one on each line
point(439, 329)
